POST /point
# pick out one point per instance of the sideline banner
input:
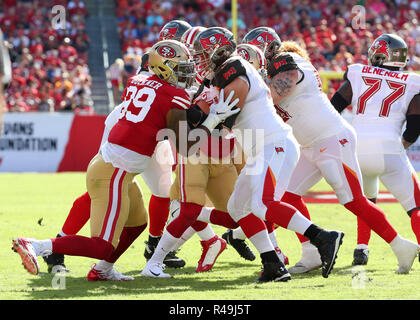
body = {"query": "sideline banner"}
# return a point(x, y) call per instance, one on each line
point(48, 142)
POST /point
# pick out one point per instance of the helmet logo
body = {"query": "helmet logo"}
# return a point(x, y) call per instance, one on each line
point(243, 53)
point(167, 33)
point(217, 39)
point(381, 46)
point(263, 37)
point(166, 51)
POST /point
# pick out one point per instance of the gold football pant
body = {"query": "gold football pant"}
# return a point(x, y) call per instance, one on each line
point(195, 178)
point(116, 200)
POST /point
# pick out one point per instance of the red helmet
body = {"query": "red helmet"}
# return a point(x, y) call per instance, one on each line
point(174, 30)
point(212, 47)
point(264, 38)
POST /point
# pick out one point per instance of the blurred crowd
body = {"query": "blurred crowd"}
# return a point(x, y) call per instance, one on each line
point(334, 32)
point(50, 71)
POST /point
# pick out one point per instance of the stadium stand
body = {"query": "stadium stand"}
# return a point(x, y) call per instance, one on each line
point(50, 70)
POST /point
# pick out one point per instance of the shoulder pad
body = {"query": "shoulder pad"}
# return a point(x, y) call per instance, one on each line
point(281, 63)
point(229, 71)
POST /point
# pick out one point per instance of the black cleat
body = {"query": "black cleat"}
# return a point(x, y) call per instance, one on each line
point(360, 257)
point(170, 261)
point(55, 263)
point(239, 245)
point(274, 271)
point(328, 243)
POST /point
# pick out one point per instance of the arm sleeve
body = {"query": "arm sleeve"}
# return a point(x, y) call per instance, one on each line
point(281, 63)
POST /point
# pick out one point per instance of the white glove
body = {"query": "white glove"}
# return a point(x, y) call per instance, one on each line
point(221, 110)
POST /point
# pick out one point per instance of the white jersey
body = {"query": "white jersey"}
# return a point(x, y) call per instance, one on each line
point(258, 123)
point(308, 110)
point(380, 102)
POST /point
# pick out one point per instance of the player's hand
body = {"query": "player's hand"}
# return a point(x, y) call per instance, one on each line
point(221, 110)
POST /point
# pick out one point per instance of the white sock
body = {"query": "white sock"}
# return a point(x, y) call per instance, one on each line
point(205, 214)
point(299, 223)
point(42, 246)
point(262, 242)
point(165, 245)
point(103, 265)
point(206, 234)
point(273, 239)
point(61, 233)
point(362, 246)
point(238, 234)
point(395, 244)
point(184, 238)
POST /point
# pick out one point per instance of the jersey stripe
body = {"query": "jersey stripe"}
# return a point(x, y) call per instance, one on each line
point(181, 104)
point(182, 99)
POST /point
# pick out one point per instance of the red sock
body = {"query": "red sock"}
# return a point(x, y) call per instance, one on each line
point(127, 237)
point(75, 245)
point(280, 213)
point(415, 223)
point(363, 232)
point(270, 226)
point(188, 214)
point(373, 216)
point(297, 202)
point(158, 215)
point(223, 219)
point(251, 225)
point(199, 226)
point(78, 216)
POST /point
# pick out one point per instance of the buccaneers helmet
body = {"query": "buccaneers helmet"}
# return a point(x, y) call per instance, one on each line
point(174, 30)
point(388, 50)
point(212, 47)
point(264, 38)
point(254, 56)
point(172, 62)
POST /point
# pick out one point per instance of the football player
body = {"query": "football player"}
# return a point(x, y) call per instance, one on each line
point(158, 177)
point(150, 104)
point(384, 97)
point(328, 150)
point(264, 177)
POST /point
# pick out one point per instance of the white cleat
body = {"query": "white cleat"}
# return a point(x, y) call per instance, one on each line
point(24, 247)
point(311, 260)
point(406, 251)
point(107, 275)
point(155, 270)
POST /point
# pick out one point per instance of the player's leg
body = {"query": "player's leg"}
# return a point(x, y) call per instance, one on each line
point(107, 187)
point(341, 170)
point(304, 176)
point(78, 215)
point(189, 189)
point(371, 166)
point(158, 177)
point(136, 223)
point(400, 172)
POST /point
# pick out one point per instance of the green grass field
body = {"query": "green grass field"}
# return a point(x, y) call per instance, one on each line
point(26, 198)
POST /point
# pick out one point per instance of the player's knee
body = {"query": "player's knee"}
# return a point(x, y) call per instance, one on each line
point(291, 198)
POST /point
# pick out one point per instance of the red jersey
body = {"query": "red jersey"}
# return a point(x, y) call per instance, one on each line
point(146, 101)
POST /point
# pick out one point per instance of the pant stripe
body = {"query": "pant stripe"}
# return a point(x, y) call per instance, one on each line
point(269, 186)
point(114, 205)
point(353, 182)
point(182, 178)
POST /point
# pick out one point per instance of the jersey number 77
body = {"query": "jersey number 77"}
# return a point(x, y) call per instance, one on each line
point(374, 84)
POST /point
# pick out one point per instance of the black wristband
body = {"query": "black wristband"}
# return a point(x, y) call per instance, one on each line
point(195, 116)
point(338, 102)
point(412, 128)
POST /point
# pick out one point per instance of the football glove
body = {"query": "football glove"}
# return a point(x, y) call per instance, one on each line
point(221, 110)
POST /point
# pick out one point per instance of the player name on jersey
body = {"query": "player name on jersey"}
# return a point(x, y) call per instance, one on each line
point(385, 73)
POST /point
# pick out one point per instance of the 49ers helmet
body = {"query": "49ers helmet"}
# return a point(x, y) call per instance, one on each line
point(172, 62)
point(254, 56)
point(388, 50)
point(264, 38)
point(174, 29)
point(212, 47)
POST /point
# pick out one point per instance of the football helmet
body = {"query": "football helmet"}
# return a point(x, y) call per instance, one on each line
point(188, 39)
point(264, 38)
point(172, 62)
point(388, 50)
point(254, 56)
point(212, 47)
point(174, 30)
